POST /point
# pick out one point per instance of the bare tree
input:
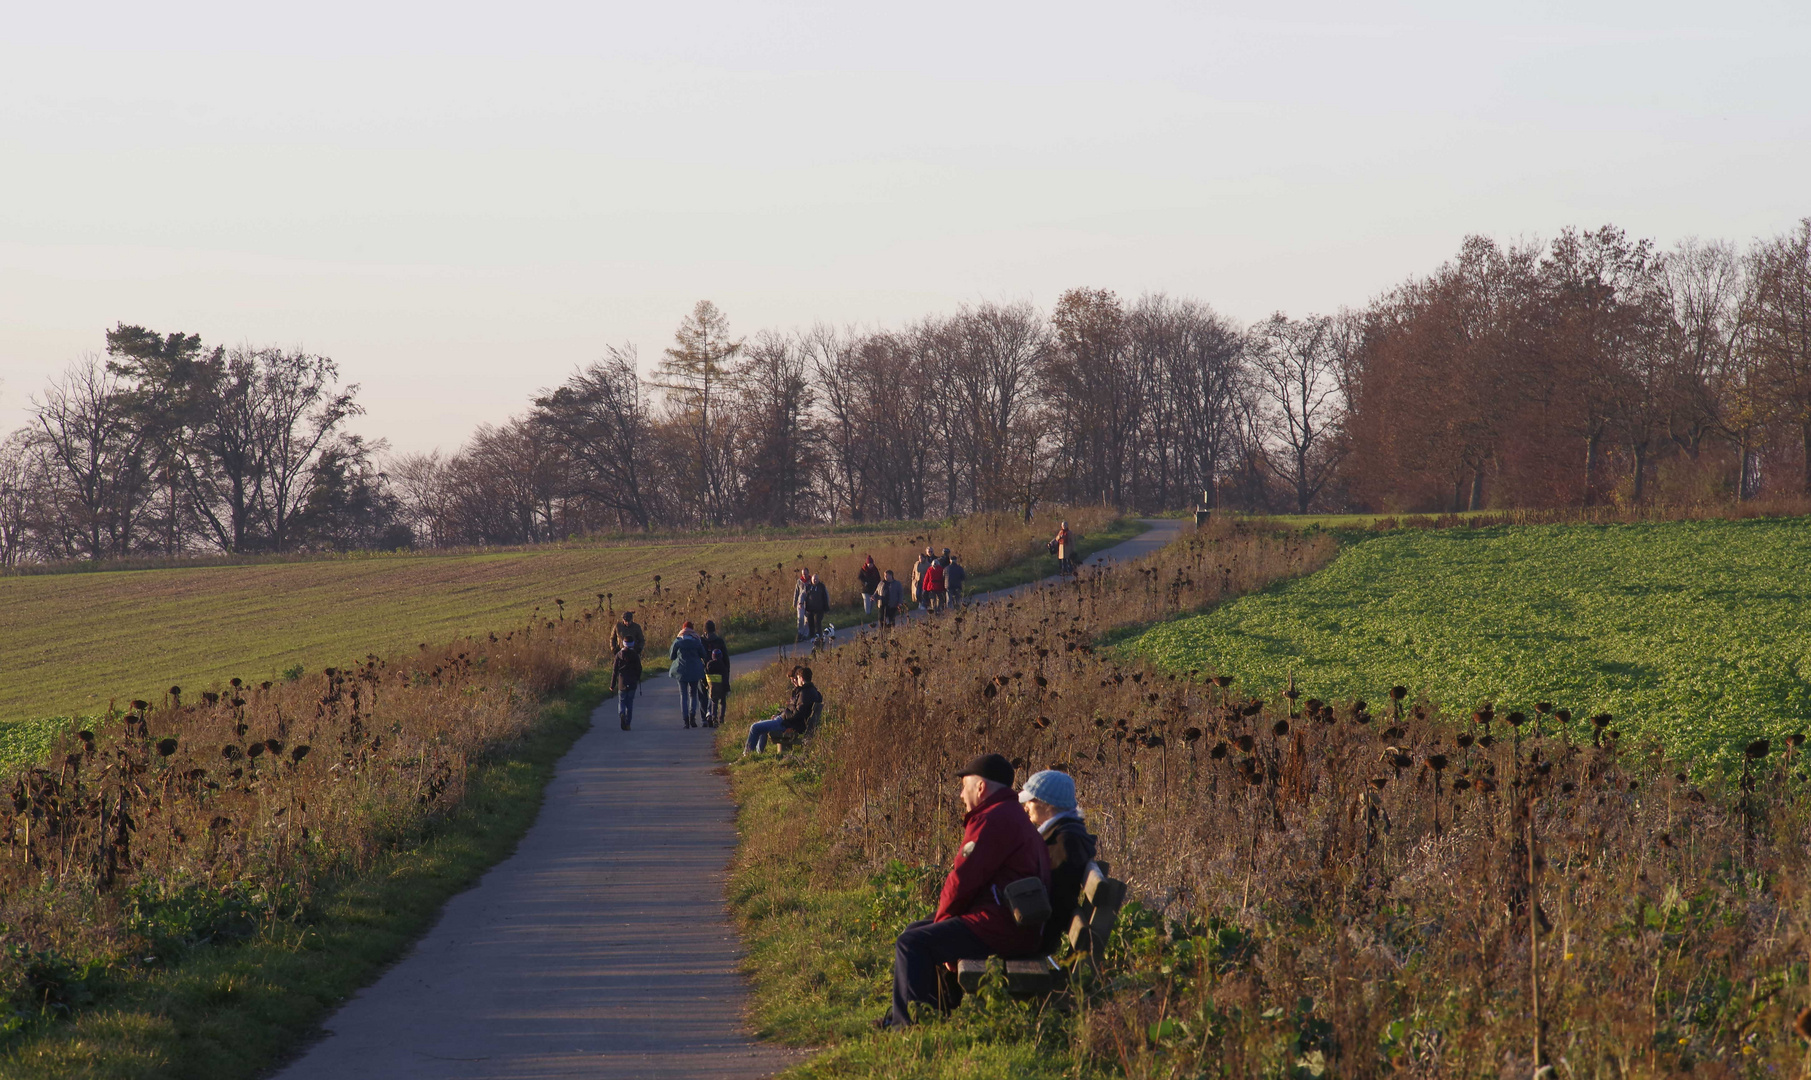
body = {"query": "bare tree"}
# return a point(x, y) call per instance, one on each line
point(694, 373)
point(600, 417)
point(1296, 370)
point(88, 428)
point(1780, 313)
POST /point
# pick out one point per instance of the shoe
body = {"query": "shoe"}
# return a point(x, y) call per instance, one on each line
point(883, 1022)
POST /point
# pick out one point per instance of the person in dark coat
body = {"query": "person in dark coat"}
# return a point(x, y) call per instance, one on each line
point(716, 680)
point(625, 679)
point(713, 641)
point(892, 598)
point(869, 579)
point(687, 669)
point(817, 602)
point(954, 575)
point(794, 717)
point(973, 921)
point(1049, 801)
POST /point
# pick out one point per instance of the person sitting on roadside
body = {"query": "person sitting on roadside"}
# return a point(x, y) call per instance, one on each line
point(1000, 846)
point(626, 633)
point(892, 598)
point(797, 713)
point(625, 679)
point(1049, 801)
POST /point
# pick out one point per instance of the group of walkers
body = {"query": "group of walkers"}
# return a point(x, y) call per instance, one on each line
point(699, 663)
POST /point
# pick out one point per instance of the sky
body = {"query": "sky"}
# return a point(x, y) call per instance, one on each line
point(462, 203)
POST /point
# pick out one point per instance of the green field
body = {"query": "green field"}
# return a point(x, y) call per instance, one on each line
point(1698, 633)
point(71, 642)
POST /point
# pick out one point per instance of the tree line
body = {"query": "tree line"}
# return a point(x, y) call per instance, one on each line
point(1591, 369)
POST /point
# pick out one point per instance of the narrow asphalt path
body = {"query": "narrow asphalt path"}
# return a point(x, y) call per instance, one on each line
point(602, 947)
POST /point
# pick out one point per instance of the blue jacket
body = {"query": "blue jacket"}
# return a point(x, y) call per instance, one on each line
point(687, 655)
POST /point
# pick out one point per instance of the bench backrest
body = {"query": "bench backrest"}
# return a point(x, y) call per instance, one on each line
point(1096, 910)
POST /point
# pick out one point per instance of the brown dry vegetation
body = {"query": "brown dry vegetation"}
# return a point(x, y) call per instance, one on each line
point(200, 815)
point(1345, 887)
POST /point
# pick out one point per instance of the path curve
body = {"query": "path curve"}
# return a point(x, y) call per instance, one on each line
point(602, 947)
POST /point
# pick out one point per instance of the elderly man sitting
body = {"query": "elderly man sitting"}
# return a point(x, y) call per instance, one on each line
point(1000, 847)
point(1049, 801)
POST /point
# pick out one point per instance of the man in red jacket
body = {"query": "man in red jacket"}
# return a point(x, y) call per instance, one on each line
point(999, 846)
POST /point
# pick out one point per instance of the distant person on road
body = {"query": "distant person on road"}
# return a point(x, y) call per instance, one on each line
point(687, 669)
point(1065, 562)
point(625, 679)
point(817, 602)
point(1049, 801)
point(627, 633)
point(799, 590)
point(1000, 846)
point(869, 578)
point(953, 577)
point(892, 598)
point(918, 569)
point(933, 586)
point(794, 717)
point(716, 679)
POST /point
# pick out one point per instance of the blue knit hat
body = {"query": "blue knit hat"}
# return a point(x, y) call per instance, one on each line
point(1052, 787)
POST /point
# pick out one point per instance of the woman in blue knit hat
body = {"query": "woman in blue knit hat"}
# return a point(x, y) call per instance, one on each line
point(1049, 801)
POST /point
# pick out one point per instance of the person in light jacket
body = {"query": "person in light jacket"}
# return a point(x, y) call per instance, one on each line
point(687, 669)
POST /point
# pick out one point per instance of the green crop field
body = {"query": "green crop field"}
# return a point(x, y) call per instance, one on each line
point(1698, 633)
point(71, 642)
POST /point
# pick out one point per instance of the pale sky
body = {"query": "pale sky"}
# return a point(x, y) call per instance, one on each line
point(462, 203)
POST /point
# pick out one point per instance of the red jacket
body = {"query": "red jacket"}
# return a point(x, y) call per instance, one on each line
point(1000, 845)
point(933, 578)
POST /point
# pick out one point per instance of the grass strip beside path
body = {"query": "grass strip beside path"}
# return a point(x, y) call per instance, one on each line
point(225, 1012)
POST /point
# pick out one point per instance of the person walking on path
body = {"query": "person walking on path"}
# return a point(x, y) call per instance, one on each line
point(973, 921)
point(794, 717)
point(625, 679)
point(799, 590)
point(869, 577)
point(687, 669)
point(716, 682)
point(1064, 563)
point(933, 586)
point(918, 576)
point(713, 640)
point(953, 576)
point(626, 633)
point(892, 598)
point(817, 602)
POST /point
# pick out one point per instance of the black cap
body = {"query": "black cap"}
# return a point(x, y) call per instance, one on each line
point(989, 767)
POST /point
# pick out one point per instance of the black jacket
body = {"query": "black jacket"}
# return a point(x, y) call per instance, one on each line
point(626, 673)
point(817, 597)
point(1072, 848)
point(798, 707)
point(715, 641)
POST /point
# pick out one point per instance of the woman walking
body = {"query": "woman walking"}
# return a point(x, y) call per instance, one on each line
point(869, 577)
point(625, 679)
point(687, 668)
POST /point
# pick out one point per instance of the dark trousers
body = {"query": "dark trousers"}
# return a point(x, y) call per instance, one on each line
point(814, 622)
point(918, 959)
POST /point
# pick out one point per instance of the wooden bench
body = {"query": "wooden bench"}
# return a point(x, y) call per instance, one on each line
point(1096, 913)
point(790, 740)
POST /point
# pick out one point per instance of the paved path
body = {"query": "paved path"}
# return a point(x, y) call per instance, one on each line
point(602, 947)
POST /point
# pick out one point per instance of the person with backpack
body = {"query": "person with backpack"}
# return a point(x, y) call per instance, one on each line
point(716, 679)
point(892, 598)
point(932, 590)
point(953, 576)
point(687, 669)
point(625, 679)
point(817, 602)
point(869, 578)
point(712, 640)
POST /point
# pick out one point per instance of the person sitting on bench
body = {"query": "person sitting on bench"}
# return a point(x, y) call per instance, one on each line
point(793, 717)
point(974, 919)
point(1049, 801)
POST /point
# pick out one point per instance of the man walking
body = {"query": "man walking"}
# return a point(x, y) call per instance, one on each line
point(953, 576)
point(1000, 846)
point(817, 602)
point(869, 578)
point(626, 634)
point(625, 679)
point(892, 598)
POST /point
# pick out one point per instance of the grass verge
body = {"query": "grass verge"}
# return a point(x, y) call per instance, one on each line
point(229, 1012)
